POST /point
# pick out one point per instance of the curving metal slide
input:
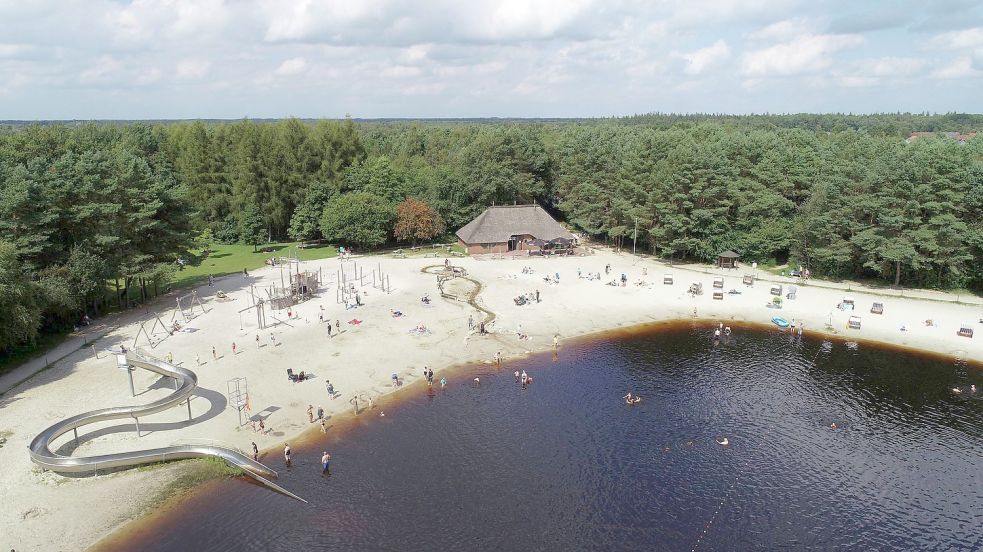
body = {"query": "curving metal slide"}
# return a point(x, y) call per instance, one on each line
point(187, 381)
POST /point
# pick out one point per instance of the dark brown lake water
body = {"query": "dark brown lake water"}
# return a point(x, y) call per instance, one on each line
point(565, 465)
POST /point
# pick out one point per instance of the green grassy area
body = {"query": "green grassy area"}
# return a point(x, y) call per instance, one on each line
point(229, 259)
point(44, 343)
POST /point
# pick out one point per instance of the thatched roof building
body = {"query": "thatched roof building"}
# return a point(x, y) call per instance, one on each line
point(504, 228)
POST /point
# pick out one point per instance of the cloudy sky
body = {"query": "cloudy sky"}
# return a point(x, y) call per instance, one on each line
point(103, 59)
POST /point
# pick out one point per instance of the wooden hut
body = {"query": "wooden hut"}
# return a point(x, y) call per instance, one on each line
point(727, 259)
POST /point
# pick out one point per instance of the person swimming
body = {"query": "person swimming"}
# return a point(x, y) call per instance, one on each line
point(832, 425)
point(723, 442)
point(524, 378)
point(727, 330)
point(632, 399)
point(957, 390)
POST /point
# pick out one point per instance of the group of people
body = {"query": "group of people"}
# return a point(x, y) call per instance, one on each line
point(523, 378)
point(288, 458)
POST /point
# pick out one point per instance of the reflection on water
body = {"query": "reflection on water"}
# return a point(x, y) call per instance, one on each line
point(566, 465)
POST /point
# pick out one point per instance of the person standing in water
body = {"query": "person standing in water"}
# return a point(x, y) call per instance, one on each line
point(255, 452)
point(325, 462)
point(286, 454)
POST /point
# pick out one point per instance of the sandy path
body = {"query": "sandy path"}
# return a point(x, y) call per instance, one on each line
point(44, 511)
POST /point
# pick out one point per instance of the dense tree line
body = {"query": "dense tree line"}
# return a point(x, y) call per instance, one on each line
point(88, 206)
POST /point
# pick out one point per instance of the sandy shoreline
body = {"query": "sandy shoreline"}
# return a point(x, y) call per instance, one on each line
point(361, 358)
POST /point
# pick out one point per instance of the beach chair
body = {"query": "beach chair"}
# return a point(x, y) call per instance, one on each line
point(965, 330)
point(776, 290)
point(749, 279)
point(718, 295)
point(853, 323)
point(718, 283)
point(667, 279)
point(877, 308)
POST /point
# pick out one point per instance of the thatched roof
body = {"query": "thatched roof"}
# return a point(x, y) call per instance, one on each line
point(497, 224)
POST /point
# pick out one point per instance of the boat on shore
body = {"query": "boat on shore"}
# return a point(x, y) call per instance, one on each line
point(779, 321)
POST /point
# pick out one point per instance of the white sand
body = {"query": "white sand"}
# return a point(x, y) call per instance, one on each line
point(45, 511)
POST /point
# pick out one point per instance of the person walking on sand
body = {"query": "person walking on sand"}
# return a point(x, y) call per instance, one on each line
point(325, 462)
point(324, 425)
point(233, 348)
point(337, 325)
point(537, 295)
point(257, 341)
point(470, 321)
point(320, 413)
point(255, 452)
point(498, 358)
point(556, 341)
point(214, 354)
point(286, 454)
point(310, 413)
point(273, 339)
point(330, 389)
point(197, 359)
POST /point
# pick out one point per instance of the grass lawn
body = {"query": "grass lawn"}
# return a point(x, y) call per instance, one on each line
point(229, 259)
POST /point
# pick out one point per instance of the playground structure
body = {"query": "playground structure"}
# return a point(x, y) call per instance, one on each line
point(184, 311)
point(348, 284)
point(237, 389)
point(192, 300)
point(185, 383)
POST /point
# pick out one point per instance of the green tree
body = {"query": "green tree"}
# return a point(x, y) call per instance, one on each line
point(360, 218)
point(252, 230)
point(20, 310)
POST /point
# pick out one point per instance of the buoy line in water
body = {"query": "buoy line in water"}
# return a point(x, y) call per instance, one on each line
point(713, 517)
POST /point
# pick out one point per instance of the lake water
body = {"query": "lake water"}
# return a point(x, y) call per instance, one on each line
point(565, 465)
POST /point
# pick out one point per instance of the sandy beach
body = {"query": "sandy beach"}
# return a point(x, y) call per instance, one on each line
point(46, 511)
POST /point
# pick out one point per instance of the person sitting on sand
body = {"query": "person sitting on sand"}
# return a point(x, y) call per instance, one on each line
point(302, 376)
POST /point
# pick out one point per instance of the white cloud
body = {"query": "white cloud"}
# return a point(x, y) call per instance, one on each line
point(891, 66)
point(804, 55)
point(147, 77)
point(293, 66)
point(145, 21)
point(400, 71)
point(101, 71)
point(704, 58)
point(192, 68)
point(14, 50)
point(959, 68)
point(787, 29)
point(969, 38)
